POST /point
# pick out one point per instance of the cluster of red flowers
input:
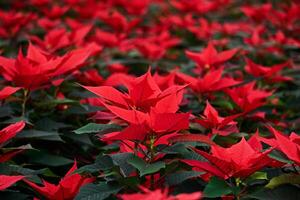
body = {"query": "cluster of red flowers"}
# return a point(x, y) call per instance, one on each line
point(177, 93)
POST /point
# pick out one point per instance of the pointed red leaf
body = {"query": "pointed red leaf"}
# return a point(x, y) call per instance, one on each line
point(7, 181)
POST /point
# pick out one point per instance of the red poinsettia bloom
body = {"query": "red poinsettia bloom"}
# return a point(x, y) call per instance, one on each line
point(255, 38)
point(281, 39)
point(209, 57)
point(160, 195)
point(199, 6)
point(143, 94)
point(135, 7)
point(55, 11)
point(257, 13)
point(13, 22)
point(248, 98)
point(155, 46)
point(118, 21)
point(54, 39)
point(67, 188)
point(149, 110)
point(204, 30)
point(38, 68)
point(239, 160)
point(270, 73)
point(212, 81)
point(217, 124)
point(59, 38)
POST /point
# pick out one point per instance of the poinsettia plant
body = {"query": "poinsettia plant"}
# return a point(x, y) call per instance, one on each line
point(149, 99)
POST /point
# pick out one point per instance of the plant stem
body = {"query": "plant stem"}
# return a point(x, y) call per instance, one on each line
point(25, 98)
point(295, 169)
point(152, 140)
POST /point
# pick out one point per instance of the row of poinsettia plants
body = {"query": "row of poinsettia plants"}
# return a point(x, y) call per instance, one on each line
point(149, 99)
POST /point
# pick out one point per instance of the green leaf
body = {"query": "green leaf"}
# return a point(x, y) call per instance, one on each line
point(81, 109)
point(9, 169)
point(120, 159)
point(179, 177)
point(286, 192)
point(55, 102)
point(181, 149)
point(39, 135)
point(102, 163)
point(5, 111)
point(17, 119)
point(152, 168)
point(278, 156)
point(8, 195)
point(257, 176)
point(97, 128)
point(47, 124)
point(216, 188)
point(97, 192)
point(23, 147)
point(40, 157)
point(146, 168)
point(283, 179)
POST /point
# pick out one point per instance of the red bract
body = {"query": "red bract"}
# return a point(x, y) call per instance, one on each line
point(211, 82)
point(135, 7)
point(109, 39)
point(7, 91)
point(199, 6)
point(155, 47)
point(7, 181)
point(67, 188)
point(248, 98)
point(13, 22)
point(154, 126)
point(90, 77)
point(232, 28)
point(149, 110)
point(118, 79)
point(38, 68)
point(165, 81)
point(117, 21)
point(204, 30)
point(255, 38)
point(160, 195)
point(218, 125)
point(239, 161)
point(289, 145)
point(143, 93)
point(271, 73)
point(10, 131)
point(257, 13)
point(281, 39)
point(55, 11)
point(286, 17)
point(175, 21)
point(209, 57)
point(222, 68)
point(53, 40)
point(5, 135)
point(47, 24)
